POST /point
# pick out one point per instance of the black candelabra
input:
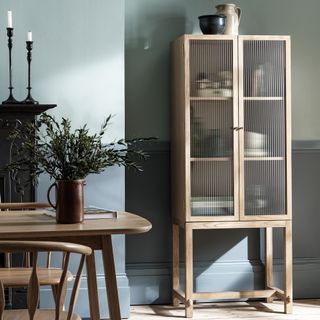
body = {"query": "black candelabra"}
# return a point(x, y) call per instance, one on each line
point(11, 98)
point(29, 98)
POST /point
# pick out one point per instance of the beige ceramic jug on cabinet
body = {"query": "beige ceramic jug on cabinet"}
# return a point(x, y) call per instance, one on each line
point(233, 15)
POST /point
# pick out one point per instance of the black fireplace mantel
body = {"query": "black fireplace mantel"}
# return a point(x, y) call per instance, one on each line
point(34, 109)
point(14, 188)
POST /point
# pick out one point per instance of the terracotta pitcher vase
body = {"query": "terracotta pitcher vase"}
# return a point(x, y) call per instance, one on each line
point(233, 15)
point(69, 201)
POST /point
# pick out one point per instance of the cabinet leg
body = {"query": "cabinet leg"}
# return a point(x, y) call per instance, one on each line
point(288, 304)
point(269, 261)
point(175, 262)
point(189, 270)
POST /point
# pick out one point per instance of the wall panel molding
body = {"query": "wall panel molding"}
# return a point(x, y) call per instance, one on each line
point(297, 146)
point(150, 283)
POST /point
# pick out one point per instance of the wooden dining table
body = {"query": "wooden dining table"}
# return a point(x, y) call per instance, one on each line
point(36, 225)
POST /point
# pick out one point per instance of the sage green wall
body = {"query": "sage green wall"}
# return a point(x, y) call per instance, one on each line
point(152, 24)
point(230, 259)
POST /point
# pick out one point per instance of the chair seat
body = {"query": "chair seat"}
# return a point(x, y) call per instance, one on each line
point(19, 277)
point(41, 314)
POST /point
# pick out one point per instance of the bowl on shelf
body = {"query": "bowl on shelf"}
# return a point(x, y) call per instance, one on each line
point(255, 144)
point(254, 140)
point(212, 23)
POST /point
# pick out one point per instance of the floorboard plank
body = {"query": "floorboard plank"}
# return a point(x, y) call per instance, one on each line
point(302, 310)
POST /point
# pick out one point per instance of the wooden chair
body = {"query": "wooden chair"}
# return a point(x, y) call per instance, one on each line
point(32, 312)
point(19, 277)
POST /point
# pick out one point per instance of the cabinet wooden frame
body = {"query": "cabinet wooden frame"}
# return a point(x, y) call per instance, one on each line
point(180, 150)
point(181, 158)
point(181, 161)
point(287, 98)
point(269, 293)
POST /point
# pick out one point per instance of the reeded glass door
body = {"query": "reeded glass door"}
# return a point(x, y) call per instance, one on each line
point(264, 116)
point(213, 101)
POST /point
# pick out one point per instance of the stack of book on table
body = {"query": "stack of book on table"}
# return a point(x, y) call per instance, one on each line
point(90, 213)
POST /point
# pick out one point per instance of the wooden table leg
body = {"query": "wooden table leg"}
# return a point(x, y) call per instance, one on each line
point(269, 261)
point(288, 304)
point(175, 262)
point(189, 270)
point(110, 277)
point(92, 288)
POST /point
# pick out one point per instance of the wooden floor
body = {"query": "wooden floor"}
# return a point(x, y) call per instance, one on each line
point(302, 310)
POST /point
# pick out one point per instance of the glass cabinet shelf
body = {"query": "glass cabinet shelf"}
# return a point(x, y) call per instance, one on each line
point(263, 98)
point(263, 158)
point(210, 98)
point(194, 159)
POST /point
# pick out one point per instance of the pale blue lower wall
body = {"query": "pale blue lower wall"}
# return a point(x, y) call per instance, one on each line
point(82, 305)
point(151, 283)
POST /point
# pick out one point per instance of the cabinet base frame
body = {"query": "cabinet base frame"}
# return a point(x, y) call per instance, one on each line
point(270, 292)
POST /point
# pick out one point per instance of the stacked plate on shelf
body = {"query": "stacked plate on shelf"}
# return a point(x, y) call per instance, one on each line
point(215, 85)
point(210, 92)
point(212, 206)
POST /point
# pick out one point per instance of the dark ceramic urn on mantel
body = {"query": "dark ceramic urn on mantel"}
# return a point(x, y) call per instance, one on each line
point(14, 187)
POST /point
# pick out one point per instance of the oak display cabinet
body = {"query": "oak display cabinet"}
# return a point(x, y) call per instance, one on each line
point(231, 149)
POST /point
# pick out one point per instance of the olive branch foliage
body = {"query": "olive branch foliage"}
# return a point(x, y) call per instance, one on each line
point(46, 145)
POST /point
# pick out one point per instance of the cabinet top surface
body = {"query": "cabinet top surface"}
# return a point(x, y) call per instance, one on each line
point(231, 37)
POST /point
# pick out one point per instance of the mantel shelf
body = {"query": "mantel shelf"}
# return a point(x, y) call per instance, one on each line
point(25, 108)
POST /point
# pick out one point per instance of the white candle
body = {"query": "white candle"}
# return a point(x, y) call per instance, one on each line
point(9, 19)
point(29, 36)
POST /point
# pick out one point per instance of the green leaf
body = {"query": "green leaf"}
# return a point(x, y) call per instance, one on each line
point(47, 145)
